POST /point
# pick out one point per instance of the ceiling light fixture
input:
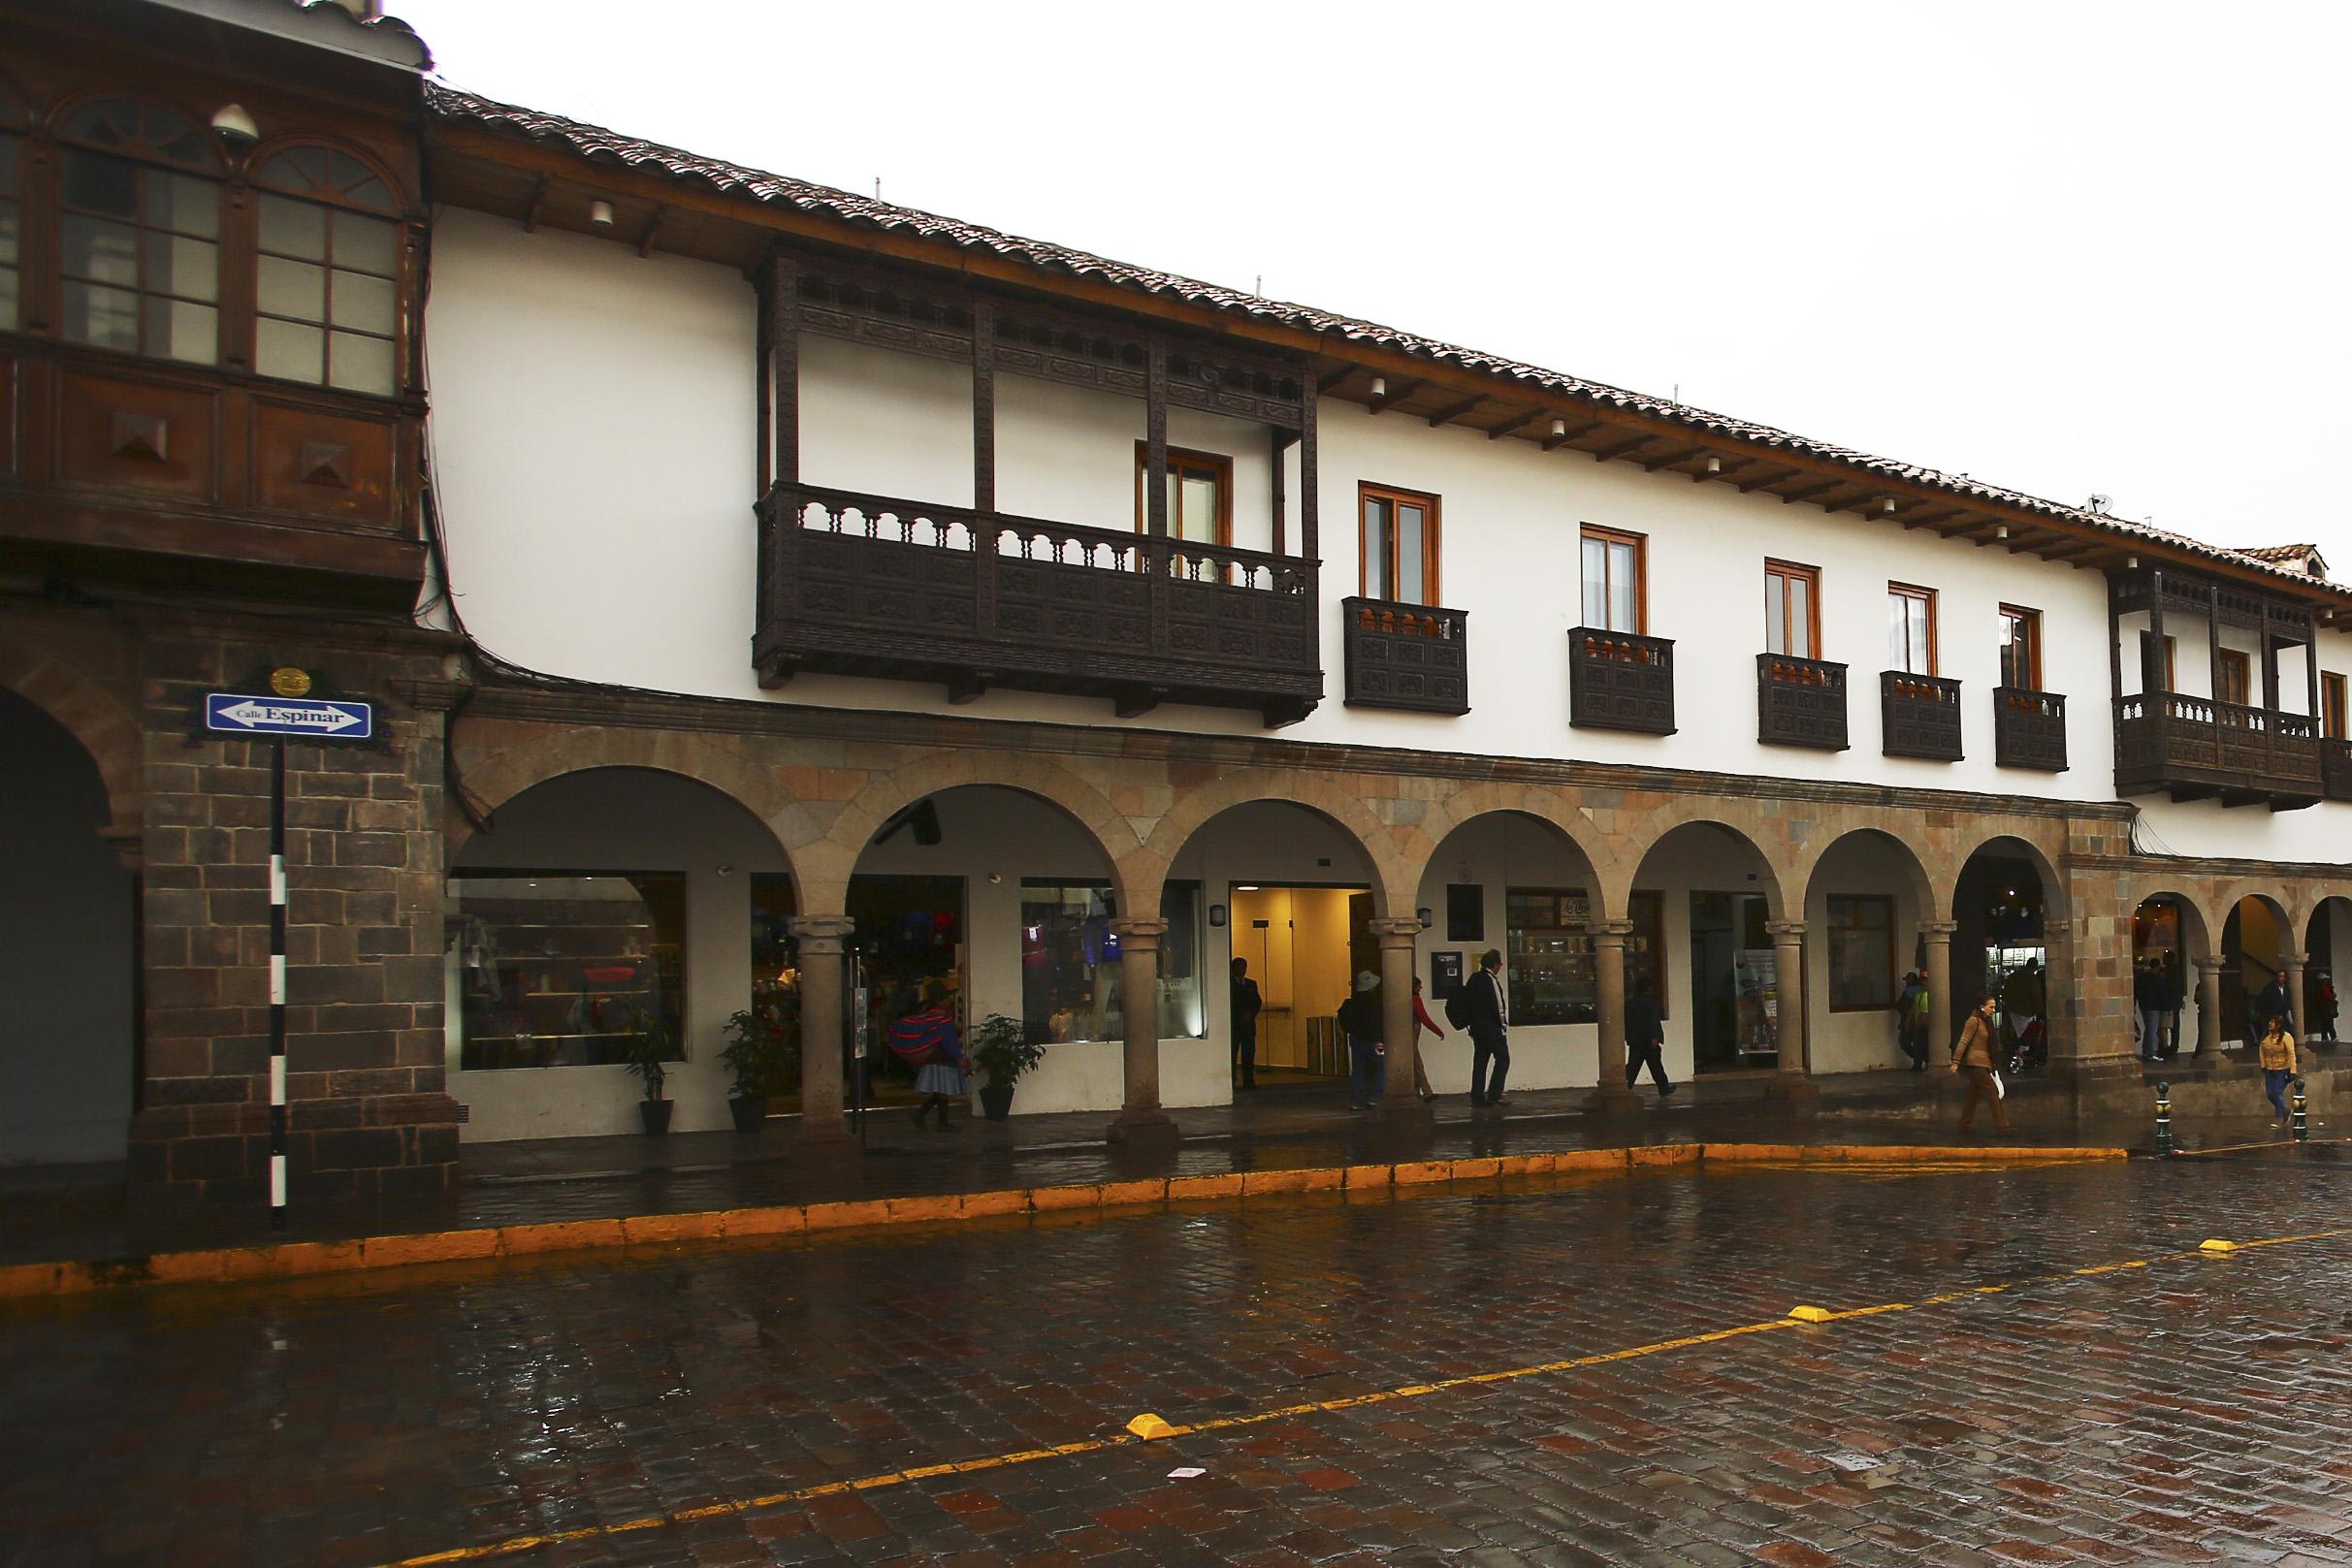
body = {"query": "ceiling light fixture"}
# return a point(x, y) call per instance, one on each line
point(1379, 386)
point(1714, 466)
point(601, 214)
point(1560, 426)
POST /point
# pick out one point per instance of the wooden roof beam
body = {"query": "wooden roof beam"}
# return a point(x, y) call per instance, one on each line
point(1517, 422)
point(1609, 453)
point(1672, 458)
point(1453, 411)
point(1758, 483)
point(1335, 380)
point(538, 203)
point(1790, 498)
point(1929, 519)
point(1394, 395)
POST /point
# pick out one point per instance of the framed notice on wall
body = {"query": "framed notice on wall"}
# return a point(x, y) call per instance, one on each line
point(1445, 975)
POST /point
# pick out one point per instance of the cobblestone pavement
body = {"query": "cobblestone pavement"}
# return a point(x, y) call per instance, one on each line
point(2195, 1409)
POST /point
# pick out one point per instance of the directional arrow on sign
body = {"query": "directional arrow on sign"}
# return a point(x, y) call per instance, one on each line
point(308, 716)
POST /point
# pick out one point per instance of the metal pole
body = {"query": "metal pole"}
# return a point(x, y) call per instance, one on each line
point(278, 985)
point(2164, 1120)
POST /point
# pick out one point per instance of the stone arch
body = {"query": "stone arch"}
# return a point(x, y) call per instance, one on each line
point(1909, 863)
point(2200, 932)
point(1421, 840)
point(1395, 880)
point(95, 716)
point(2056, 907)
point(1677, 815)
point(828, 863)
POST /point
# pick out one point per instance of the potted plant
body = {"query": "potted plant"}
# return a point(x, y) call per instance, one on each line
point(1001, 1051)
point(754, 1054)
point(648, 1055)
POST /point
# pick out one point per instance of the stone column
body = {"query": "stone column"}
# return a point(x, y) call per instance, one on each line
point(1140, 1120)
point(1609, 1092)
point(2295, 967)
point(823, 1039)
point(1789, 1085)
point(1396, 935)
point(2208, 1009)
point(1941, 1005)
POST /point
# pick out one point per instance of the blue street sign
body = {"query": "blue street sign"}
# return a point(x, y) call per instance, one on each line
point(310, 718)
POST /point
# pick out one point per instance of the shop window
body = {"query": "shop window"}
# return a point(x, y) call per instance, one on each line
point(140, 233)
point(1910, 628)
point(1398, 557)
point(775, 999)
point(327, 273)
point(1547, 968)
point(1072, 984)
point(1200, 495)
point(1614, 596)
point(565, 968)
point(1792, 610)
point(2020, 647)
point(1861, 952)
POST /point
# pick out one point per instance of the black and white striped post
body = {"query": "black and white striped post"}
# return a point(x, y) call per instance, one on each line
point(278, 985)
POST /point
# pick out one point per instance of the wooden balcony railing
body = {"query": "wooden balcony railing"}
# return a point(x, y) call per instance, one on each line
point(1918, 716)
point(1415, 657)
point(2029, 729)
point(853, 584)
point(1800, 703)
point(2336, 769)
point(2193, 747)
point(1620, 681)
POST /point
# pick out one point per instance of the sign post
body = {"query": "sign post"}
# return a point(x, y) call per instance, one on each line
point(288, 713)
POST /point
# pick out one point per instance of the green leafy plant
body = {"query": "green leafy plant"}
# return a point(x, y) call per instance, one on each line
point(1002, 1050)
point(759, 1053)
point(648, 1055)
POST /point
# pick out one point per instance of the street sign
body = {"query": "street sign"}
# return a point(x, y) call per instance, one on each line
point(311, 719)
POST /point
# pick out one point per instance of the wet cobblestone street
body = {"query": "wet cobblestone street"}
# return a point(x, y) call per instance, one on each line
point(2192, 1409)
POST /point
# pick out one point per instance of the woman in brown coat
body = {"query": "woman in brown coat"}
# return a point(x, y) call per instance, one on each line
point(1977, 1056)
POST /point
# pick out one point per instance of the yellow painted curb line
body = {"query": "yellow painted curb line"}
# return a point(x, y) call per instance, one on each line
point(291, 1260)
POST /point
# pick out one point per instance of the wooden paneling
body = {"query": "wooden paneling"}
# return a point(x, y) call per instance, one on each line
point(311, 462)
point(130, 433)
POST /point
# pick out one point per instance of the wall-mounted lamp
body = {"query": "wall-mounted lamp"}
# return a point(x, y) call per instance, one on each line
point(1887, 506)
point(2132, 563)
point(1379, 386)
point(1714, 466)
point(601, 214)
point(235, 126)
point(1428, 919)
point(1560, 426)
point(2001, 532)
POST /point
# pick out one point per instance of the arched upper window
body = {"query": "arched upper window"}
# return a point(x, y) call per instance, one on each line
point(139, 232)
point(327, 279)
point(12, 206)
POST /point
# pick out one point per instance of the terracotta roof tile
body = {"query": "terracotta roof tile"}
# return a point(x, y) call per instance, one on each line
point(596, 144)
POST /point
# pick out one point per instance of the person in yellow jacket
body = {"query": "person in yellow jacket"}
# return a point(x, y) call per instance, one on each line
point(1977, 1055)
point(2277, 1065)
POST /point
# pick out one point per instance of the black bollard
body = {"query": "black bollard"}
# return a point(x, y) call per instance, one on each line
point(2303, 1116)
point(2164, 1119)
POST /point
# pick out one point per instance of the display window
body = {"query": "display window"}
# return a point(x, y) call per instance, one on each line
point(1072, 985)
point(1549, 968)
point(565, 968)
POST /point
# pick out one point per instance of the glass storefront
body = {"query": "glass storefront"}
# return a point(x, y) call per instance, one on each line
point(1549, 954)
point(1072, 988)
point(563, 969)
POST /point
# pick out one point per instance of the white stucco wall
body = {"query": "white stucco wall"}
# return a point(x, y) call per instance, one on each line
point(594, 435)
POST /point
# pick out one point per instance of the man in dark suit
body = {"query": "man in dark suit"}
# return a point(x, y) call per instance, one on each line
point(1247, 1004)
point(1490, 1030)
point(1646, 1038)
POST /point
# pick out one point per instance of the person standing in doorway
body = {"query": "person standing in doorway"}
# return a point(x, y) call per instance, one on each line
point(2276, 1002)
point(1646, 1036)
point(2175, 974)
point(1247, 1004)
point(1911, 1020)
point(2148, 997)
point(2021, 999)
point(1422, 1023)
point(2322, 1008)
point(1977, 1056)
point(2277, 1065)
point(1359, 1021)
point(1490, 1030)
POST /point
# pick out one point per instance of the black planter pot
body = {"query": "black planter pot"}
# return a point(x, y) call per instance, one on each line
point(656, 1114)
point(996, 1101)
point(750, 1112)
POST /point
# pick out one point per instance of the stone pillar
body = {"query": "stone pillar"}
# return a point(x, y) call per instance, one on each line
point(2208, 1009)
point(1789, 1085)
point(1941, 1005)
point(1140, 1120)
point(1396, 935)
point(1610, 1095)
point(2295, 967)
point(823, 1036)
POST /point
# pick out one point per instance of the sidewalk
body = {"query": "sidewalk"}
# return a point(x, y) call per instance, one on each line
point(1293, 1129)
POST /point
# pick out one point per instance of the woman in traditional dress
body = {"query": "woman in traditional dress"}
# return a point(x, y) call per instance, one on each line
point(927, 1041)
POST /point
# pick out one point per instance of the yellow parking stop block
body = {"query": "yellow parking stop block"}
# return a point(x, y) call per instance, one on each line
point(1811, 1314)
point(2217, 1246)
point(1150, 1428)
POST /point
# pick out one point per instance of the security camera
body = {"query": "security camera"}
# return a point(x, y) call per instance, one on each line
point(235, 126)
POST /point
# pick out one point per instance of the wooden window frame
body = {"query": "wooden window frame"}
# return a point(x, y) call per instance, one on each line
point(261, 172)
point(2171, 664)
point(1924, 595)
point(2234, 658)
point(1178, 458)
point(231, 264)
point(2031, 619)
point(1811, 577)
point(1830, 926)
point(1431, 530)
point(1641, 570)
point(2332, 705)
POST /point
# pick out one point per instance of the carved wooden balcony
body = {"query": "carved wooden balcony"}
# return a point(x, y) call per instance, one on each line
point(1918, 716)
point(852, 584)
point(1800, 703)
point(197, 477)
point(2029, 729)
point(1620, 681)
point(2195, 749)
point(1408, 655)
point(2336, 769)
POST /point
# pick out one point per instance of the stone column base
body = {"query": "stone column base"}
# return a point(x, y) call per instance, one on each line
point(1795, 1093)
point(823, 1135)
point(1612, 1100)
point(1144, 1129)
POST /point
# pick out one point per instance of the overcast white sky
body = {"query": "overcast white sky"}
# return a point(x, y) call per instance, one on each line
point(2065, 248)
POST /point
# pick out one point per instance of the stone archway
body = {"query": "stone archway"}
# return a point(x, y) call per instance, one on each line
point(107, 729)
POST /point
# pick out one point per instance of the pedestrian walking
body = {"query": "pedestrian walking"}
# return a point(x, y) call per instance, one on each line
point(928, 1042)
point(2277, 1065)
point(1978, 1057)
point(1247, 1004)
point(1490, 1030)
point(2022, 997)
point(1422, 1023)
point(2175, 974)
point(1911, 1020)
point(2323, 1007)
point(1646, 1038)
point(2147, 1000)
point(1359, 1021)
point(2275, 1002)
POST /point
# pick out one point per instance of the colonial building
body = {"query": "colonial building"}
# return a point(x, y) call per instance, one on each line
point(792, 598)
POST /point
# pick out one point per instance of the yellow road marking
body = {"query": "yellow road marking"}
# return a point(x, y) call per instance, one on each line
point(513, 1545)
